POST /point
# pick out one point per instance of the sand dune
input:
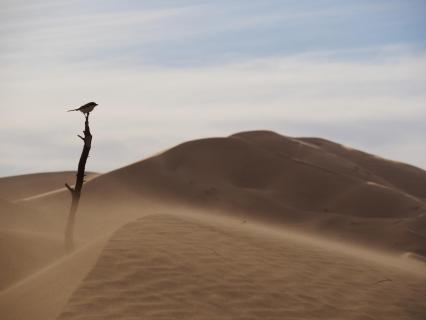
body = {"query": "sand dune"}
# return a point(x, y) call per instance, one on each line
point(14, 216)
point(400, 175)
point(17, 187)
point(292, 181)
point(214, 254)
point(42, 295)
point(164, 267)
point(25, 244)
point(22, 253)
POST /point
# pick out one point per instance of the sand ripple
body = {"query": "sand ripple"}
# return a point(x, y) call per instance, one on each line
point(163, 267)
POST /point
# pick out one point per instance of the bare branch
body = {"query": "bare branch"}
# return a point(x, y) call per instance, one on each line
point(76, 191)
point(69, 188)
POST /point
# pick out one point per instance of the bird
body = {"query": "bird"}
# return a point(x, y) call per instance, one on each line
point(87, 108)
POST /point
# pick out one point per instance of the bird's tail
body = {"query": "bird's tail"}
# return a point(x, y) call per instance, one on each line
point(72, 110)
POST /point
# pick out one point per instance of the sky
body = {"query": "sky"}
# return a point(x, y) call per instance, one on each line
point(164, 72)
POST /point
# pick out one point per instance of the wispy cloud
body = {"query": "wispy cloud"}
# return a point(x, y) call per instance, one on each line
point(164, 72)
point(183, 103)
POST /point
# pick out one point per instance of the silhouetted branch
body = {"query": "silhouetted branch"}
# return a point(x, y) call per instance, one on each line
point(69, 188)
point(76, 191)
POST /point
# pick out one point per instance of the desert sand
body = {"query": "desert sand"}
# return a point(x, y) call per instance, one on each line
point(267, 177)
point(23, 252)
point(252, 226)
point(19, 187)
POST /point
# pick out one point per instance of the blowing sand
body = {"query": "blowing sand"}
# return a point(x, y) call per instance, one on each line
point(42, 295)
point(222, 246)
point(312, 184)
point(22, 253)
point(18, 187)
point(164, 267)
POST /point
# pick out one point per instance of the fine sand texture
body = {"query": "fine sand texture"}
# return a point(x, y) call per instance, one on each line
point(165, 267)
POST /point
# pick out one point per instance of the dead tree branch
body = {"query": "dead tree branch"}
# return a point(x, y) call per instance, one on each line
point(76, 191)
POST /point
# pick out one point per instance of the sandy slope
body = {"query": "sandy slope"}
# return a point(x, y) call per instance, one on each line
point(164, 267)
point(269, 177)
point(26, 245)
point(23, 252)
point(16, 216)
point(401, 175)
point(17, 187)
point(182, 268)
point(43, 295)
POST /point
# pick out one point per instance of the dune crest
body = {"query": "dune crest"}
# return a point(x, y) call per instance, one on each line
point(303, 182)
point(164, 267)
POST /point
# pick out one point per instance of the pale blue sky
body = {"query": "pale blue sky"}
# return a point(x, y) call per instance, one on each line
point(168, 71)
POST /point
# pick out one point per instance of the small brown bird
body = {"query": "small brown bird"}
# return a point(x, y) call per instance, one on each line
point(87, 108)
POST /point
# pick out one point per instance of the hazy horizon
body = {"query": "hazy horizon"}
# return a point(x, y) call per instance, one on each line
point(164, 72)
